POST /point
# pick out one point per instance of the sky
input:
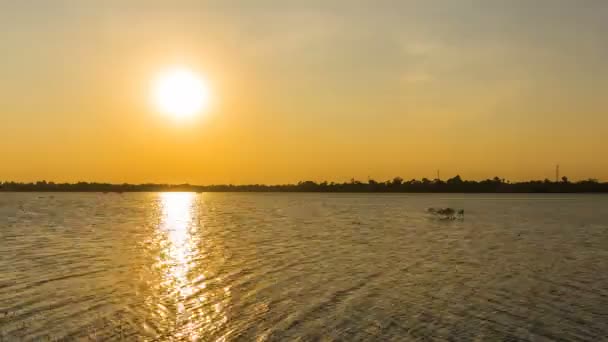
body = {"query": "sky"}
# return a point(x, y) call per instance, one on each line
point(305, 90)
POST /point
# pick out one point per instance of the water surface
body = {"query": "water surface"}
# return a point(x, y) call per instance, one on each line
point(222, 266)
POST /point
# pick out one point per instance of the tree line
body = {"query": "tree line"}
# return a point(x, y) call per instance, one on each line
point(397, 184)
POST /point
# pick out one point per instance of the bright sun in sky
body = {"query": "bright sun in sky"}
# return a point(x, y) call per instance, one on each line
point(180, 93)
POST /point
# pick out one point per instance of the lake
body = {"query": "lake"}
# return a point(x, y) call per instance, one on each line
point(283, 266)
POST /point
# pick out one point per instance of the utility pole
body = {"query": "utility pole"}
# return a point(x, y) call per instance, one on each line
point(438, 175)
point(557, 173)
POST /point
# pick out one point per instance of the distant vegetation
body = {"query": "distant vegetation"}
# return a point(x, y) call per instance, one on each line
point(455, 184)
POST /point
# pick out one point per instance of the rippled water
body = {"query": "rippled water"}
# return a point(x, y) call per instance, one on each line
point(214, 266)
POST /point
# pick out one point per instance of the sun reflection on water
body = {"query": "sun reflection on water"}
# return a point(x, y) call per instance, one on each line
point(183, 280)
point(177, 223)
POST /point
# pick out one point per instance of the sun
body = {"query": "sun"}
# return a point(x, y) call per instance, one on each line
point(180, 93)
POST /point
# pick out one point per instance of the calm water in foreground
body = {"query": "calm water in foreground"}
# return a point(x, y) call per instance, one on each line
point(213, 266)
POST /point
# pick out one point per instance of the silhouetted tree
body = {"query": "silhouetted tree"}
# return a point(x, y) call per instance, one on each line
point(455, 180)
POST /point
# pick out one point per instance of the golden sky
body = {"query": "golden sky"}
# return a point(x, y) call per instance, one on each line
point(305, 90)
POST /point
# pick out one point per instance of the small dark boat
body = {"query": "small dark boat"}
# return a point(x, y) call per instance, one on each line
point(446, 213)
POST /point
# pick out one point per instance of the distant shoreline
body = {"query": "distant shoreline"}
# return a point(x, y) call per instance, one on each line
point(396, 185)
point(305, 192)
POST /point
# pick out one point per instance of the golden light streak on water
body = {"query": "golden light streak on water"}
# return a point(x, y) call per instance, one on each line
point(179, 255)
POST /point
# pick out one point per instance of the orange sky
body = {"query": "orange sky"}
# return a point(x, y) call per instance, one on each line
point(321, 90)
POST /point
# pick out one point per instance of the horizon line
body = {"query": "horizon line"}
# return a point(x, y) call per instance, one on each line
point(351, 181)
